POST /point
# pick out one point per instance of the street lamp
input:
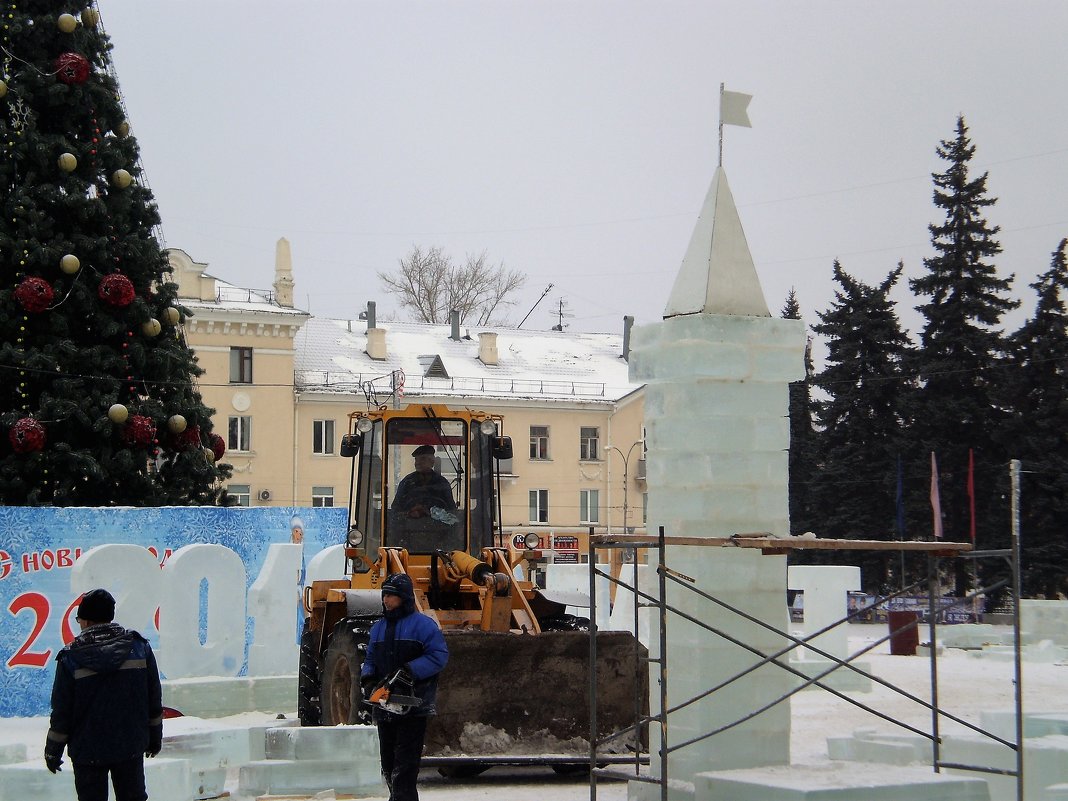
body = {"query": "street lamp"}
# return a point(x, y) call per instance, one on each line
point(626, 467)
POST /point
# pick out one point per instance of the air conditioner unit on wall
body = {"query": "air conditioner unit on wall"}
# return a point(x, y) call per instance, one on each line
point(265, 495)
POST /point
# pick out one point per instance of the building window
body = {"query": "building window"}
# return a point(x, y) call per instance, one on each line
point(323, 436)
point(241, 492)
point(539, 442)
point(589, 506)
point(322, 496)
point(539, 506)
point(240, 365)
point(588, 447)
point(240, 434)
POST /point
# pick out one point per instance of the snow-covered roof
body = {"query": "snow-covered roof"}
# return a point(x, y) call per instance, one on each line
point(332, 357)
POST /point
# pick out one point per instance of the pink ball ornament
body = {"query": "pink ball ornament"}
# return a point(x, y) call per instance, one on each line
point(139, 431)
point(116, 290)
point(27, 436)
point(72, 68)
point(35, 294)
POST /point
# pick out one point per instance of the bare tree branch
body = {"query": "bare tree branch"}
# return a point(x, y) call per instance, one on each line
point(428, 285)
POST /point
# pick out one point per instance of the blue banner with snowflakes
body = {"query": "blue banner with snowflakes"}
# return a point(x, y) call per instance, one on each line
point(39, 547)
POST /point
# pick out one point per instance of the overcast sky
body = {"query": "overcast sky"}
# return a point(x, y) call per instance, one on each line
point(574, 141)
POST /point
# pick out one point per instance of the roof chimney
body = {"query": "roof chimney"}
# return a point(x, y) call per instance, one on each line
point(628, 323)
point(454, 319)
point(370, 314)
point(376, 343)
point(487, 347)
point(283, 274)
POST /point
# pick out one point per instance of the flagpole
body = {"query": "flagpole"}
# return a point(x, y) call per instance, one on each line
point(721, 125)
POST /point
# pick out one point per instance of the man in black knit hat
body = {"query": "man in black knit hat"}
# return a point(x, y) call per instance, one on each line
point(107, 705)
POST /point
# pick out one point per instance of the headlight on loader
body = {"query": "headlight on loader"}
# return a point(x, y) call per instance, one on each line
point(355, 537)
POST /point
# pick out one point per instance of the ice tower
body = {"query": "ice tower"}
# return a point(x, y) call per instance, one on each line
point(716, 371)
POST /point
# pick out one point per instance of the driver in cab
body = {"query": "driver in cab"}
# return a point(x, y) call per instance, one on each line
point(423, 489)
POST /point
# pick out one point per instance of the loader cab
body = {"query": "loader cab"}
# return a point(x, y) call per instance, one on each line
point(423, 479)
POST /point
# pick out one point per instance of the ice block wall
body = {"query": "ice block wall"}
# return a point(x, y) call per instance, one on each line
point(717, 434)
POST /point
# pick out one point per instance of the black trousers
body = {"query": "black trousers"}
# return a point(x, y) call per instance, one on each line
point(400, 743)
point(128, 778)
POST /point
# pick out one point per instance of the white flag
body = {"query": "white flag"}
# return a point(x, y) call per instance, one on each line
point(732, 109)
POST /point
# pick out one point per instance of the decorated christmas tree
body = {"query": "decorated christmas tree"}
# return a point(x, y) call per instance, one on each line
point(98, 391)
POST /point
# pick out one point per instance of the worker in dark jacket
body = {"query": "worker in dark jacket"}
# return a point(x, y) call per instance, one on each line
point(405, 653)
point(107, 707)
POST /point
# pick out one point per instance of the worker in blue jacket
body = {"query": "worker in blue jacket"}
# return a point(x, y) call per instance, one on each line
point(107, 707)
point(405, 653)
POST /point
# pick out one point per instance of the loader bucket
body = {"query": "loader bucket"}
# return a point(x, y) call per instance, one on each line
point(509, 694)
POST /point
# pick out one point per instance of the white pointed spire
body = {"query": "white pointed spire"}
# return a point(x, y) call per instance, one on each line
point(717, 274)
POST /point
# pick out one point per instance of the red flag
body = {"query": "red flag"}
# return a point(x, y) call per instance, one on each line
point(971, 491)
point(936, 503)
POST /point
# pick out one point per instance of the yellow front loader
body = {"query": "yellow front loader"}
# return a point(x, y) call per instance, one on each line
point(517, 686)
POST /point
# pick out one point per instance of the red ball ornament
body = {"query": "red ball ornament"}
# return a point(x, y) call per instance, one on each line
point(35, 294)
point(27, 436)
point(116, 290)
point(190, 438)
point(139, 431)
point(218, 446)
point(72, 68)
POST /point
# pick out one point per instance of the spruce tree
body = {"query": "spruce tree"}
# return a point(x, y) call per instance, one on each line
point(99, 404)
point(960, 350)
point(1038, 435)
point(859, 420)
point(802, 463)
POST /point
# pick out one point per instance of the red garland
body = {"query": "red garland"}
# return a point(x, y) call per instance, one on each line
point(139, 431)
point(27, 436)
point(72, 68)
point(116, 290)
point(218, 446)
point(35, 294)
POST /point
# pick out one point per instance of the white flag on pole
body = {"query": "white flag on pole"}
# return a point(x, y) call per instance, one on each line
point(732, 109)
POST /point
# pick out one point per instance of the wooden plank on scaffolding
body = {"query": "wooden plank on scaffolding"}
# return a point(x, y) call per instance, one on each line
point(766, 542)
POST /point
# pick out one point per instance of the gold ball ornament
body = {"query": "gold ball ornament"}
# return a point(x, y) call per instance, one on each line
point(3, 88)
point(67, 23)
point(122, 130)
point(70, 264)
point(118, 413)
point(67, 162)
point(176, 423)
point(209, 457)
point(151, 328)
point(171, 316)
point(121, 179)
point(90, 18)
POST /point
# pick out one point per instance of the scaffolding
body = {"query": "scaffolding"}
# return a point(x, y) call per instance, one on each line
point(766, 544)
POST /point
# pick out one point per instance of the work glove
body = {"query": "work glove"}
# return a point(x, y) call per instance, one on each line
point(367, 686)
point(53, 756)
point(155, 741)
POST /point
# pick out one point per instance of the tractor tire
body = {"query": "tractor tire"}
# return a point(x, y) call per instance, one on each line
point(308, 679)
point(466, 771)
point(340, 696)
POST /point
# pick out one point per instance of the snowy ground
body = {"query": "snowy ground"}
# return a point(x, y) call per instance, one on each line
point(967, 685)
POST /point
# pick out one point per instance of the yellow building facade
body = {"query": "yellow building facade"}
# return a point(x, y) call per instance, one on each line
point(283, 384)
